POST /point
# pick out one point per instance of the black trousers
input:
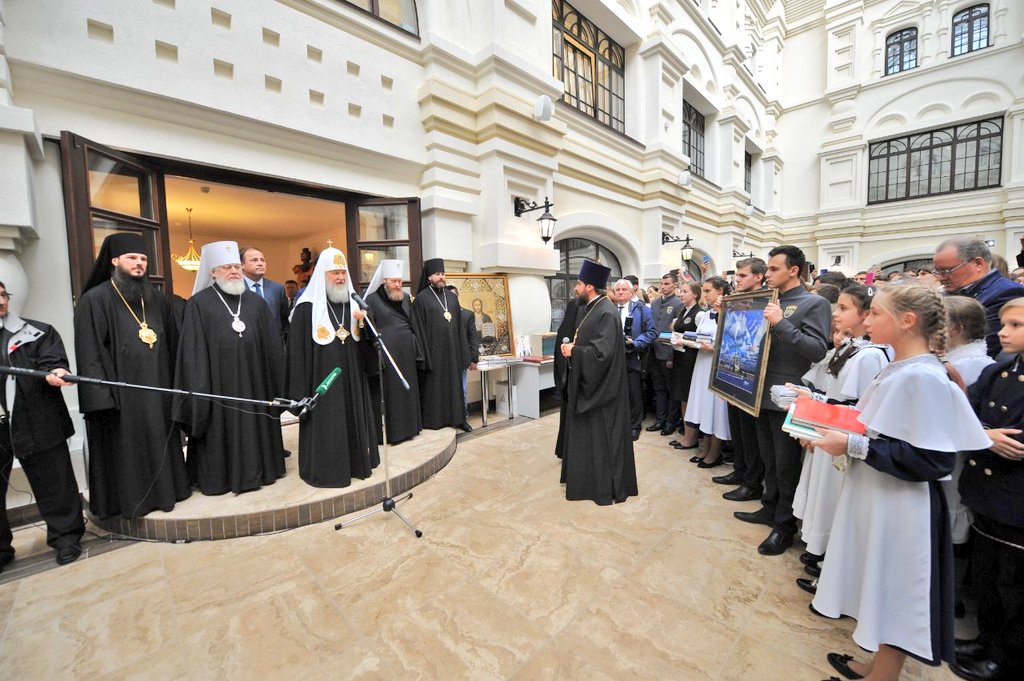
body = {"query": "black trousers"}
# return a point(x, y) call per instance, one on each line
point(667, 409)
point(747, 458)
point(636, 399)
point(782, 456)
point(998, 574)
point(53, 483)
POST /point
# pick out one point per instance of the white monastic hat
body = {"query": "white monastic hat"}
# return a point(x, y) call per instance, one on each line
point(387, 269)
point(215, 255)
point(324, 326)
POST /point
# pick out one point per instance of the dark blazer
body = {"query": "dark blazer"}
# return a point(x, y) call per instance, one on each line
point(801, 338)
point(639, 327)
point(664, 311)
point(989, 484)
point(472, 337)
point(277, 301)
point(993, 291)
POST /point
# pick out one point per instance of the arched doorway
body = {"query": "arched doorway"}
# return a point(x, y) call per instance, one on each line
point(572, 253)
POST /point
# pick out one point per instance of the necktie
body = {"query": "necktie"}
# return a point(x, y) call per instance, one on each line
point(259, 289)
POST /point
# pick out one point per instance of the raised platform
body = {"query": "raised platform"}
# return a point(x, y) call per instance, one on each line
point(289, 502)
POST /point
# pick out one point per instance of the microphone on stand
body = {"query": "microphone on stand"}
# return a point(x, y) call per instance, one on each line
point(321, 389)
point(358, 299)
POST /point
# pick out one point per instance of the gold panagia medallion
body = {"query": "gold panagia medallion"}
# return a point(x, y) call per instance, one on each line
point(147, 335)
point(447, 316)
point(342, 334)
point(339, 260)
point(322, 332)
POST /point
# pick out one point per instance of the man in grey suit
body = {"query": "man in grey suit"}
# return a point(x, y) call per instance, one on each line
point(664, 311)
point(254, 266)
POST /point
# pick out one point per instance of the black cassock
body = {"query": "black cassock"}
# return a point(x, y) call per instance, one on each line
point(233, 447)
point(394, 321)
point(337, 439)
point(446, 354)
point(596, 447)
point(135, 459)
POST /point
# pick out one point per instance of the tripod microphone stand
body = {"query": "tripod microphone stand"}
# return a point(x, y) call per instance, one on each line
point(388, 504)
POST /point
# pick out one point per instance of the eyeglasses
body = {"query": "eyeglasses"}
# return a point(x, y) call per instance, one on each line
point(6, 296)
point(942, 274)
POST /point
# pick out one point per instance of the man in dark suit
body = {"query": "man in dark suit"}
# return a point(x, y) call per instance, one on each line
point(254, 267)
point(964, 266)
point(638, 327)
point(663, 312)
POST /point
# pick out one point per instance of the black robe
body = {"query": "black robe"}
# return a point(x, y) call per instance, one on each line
point(337, 440)
point(446, 354)
point(233, 447)
point(565, 330)
point(596, 444)
point(135, 460)
point(394, 321)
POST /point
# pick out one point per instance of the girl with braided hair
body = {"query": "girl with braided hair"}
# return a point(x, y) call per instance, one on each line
point(889, 561)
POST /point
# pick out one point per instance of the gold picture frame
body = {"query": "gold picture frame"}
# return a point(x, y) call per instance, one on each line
point(740, 359)
point(494, 316)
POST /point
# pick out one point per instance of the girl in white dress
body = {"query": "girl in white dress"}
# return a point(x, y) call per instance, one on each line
point(708, 411)
point(852, 367)
point(889, 558)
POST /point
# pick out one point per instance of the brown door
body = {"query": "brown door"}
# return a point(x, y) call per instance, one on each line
point(381, 229)
point(107, 191)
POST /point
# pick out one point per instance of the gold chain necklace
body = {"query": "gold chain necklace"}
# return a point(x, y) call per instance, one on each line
point(342, 333)
point(444, 305)
point(595, 302)
point(146, 334)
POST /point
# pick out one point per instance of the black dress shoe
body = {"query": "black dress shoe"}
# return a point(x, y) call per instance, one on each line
point(466, 428)
point(808, 585)
point(696, 459)
point(710, 464)
point(635, 434)
point(68, 553)
point(743, 493)
point(971, 648)
point(761, 516)
point(978, 670)
point(813, 569)
point(732, 478)
point(808, 558)
point(668, 430)
point(657, 426)
point(776, 544)
point(841, 663)
point(684, 446)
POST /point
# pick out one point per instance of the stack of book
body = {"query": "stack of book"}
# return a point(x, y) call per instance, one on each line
point(782, 396)
point(806, 416)
point(692, 339)
point(538, 359)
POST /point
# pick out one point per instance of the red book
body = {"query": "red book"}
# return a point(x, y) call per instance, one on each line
point(816, 414)
point(538, 359)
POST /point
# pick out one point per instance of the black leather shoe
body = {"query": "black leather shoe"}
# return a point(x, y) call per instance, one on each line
point(657, 426)
point(682, 446)
point(668, 430)
point(776, 544)
point(761, 516)
point(978, 670)
point(841, 663)
point(466, 428)
point(808, 585)
point(732, 478)
point(635, 434)
point(743, 493)
point(808, 558)
point(971, 648)
point(696, 459)
point(710, 464)
point(68, 553)
point(813, 569)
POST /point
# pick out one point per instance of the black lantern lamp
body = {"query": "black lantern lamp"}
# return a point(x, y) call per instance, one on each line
point(546, 220)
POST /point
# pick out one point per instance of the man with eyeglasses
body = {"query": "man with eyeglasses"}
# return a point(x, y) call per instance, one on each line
point(964, 267)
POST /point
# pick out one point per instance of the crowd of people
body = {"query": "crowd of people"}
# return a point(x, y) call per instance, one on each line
point(226, 364)
point(899, 526)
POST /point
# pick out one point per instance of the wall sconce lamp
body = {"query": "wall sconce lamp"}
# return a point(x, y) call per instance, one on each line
point(741, 254)
point(687, 249)
point(547, 220)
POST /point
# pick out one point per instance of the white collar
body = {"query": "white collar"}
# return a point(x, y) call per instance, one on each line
point(253, 283)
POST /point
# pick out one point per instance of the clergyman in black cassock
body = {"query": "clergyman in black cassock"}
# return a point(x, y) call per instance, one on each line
point(228, 347)
point(125, 330)
point(337, 440)
point(391, 312)
point(596, 446)
point(438, 317)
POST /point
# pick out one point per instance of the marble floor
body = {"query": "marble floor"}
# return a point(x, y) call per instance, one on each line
point(509, 581)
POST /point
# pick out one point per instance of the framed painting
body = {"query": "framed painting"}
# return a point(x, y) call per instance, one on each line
point(741, 350)
point(486, 296)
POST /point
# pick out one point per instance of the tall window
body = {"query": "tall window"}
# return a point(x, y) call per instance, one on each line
point(970, 30)
point(590, 64)
point(693, 138)
point(561, 287)
point(401, 13)
point(748, 163)
point(957, 158)
point(901, 51)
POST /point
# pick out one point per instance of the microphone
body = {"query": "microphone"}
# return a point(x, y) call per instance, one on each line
point(324, 386)
point(358, 301)
point(568, 360)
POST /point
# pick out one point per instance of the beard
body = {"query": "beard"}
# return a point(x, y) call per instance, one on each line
point(132, 288)
point(231, 287)
point(394, 296)
point(337, 293)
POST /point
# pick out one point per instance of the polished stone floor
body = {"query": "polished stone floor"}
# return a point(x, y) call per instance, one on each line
point(509, 581)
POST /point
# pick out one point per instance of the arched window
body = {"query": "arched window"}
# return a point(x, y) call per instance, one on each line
point(401, 13)
point(901, 51)
point(970, 30)
point(572, 253)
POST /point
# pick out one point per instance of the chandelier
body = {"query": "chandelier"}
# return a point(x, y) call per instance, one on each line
point(189, 261)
